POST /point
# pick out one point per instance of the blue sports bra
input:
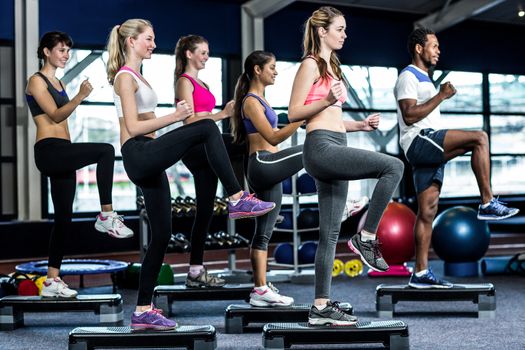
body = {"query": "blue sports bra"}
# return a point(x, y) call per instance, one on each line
point(270, 114)
point(60, 97)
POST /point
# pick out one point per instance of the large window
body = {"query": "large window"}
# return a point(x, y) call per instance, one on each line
point(95, 120)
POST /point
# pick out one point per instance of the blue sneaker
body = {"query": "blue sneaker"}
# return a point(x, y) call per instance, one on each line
point(496, 210)
point(151, 320)
point(428, 280)
point(248, 207)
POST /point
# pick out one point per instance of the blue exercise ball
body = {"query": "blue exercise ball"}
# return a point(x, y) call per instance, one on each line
point(306, 184)
point(306, 252)
point(287, 185)
point(283, 253)
point(458, 236)
point(308, 218)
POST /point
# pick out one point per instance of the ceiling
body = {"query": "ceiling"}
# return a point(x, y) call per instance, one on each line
point(504, 12)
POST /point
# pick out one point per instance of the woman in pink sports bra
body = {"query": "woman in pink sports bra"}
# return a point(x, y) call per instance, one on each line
point(191, 54)
point(317, 95)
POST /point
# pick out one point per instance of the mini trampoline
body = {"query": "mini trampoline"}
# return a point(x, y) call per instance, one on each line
point(79, 267)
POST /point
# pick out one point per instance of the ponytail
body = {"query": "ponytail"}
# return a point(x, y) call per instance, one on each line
point(237, 125)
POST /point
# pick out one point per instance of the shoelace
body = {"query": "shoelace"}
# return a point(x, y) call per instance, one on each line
point(500, 206)
point(376, 250)
point(119, 219)
point(272, 287)
point(337, 308)
point(251, 196)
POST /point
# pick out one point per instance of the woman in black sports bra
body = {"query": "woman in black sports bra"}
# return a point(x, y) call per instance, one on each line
point(58, 158)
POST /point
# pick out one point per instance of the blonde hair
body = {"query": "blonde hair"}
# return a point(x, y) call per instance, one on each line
point(117, 43)
point(321, 18)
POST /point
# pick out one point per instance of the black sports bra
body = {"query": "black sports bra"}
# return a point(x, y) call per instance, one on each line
point(60, 97)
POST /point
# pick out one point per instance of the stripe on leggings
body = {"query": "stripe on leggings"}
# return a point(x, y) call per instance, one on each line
point(276, 161)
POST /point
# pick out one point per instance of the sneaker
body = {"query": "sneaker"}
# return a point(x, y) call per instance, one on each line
point(354, 207)
point(151, 320)
point(369, 253)
point(428, 280)
point(203, 280)
point(496, 210)
point(248, 207)
point(56, 288)
point(113, 225)
point(269, 298)
point(331, 315)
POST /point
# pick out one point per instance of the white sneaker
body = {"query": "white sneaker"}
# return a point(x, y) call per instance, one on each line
point(353, 207)
point(269, 298)
point(56, 288)
point(113, 225)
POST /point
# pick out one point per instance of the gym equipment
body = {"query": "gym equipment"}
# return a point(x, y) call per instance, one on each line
point(287, 222)
point(504, 265)
point(283, 253)
point(238, 316)
point(306, 184)
point(12, 308)
point(308, 218)
point(306, 252)
point(396, 234)
point(392, 334)
point(460, 239)
point(179, 243)
point(79, 267)
point(282, 118)
point(189, 337)
point(351, 268)
point(165, 276)
point(287, 185)
point(164, 296)
point(482, 294)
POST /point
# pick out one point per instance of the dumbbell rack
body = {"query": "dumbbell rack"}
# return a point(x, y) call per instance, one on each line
point(301, 273)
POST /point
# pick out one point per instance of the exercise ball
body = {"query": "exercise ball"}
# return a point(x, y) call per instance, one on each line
point(306, 184)
point(308, 218)
point(307, 252)
point(395, 233)
point(283, 253)
point(287, 222)
point(460, 239)
point(287, 185)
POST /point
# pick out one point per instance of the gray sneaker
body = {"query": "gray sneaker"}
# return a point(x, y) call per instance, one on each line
point(369, 253)
point(203, 280)
point(331, 315)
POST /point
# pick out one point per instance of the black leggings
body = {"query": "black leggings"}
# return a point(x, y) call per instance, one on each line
point(266, 171)
point(205, 182)
point(59, 159)
point(145, 161)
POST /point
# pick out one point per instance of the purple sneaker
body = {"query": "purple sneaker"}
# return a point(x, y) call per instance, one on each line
point(248, 207)
point(151, 320)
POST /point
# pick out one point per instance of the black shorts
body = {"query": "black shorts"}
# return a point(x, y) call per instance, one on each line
point(427, 156)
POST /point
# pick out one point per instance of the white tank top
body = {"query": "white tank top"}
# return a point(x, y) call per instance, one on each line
point(145, 96)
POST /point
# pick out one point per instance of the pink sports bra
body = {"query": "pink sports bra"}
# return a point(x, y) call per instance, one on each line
point(203, 99)
point(321, 88)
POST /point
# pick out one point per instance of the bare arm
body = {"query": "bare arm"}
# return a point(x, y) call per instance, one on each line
point(125, 86)
point(412, 112)
point(184, 91)
point(304, 79)
point(369, 124)
point(37, 88)
point(252, 108)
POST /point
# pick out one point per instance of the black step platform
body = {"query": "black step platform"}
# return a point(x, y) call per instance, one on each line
point(482, 294)
point(392, 334)
point(191, 337)
point(163, 296)
point(12, 308)
point(238, 316)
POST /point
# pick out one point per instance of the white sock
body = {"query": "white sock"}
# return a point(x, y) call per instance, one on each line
point(421, 273)
point(367, 236)
point(484, 205)
point(320, 307)
point(195, 270)
point(261, 288)
point(107, 213)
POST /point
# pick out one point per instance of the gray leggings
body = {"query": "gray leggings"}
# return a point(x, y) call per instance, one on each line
point(332, 164)
point(266, 171)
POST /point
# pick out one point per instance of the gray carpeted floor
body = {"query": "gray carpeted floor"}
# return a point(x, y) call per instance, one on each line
point(432, 325)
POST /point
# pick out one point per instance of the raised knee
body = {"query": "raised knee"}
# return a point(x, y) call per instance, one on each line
point(428, 213)
point(483, 138)
point(397, 167)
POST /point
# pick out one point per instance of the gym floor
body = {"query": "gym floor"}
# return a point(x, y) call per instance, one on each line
point(432, 325)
